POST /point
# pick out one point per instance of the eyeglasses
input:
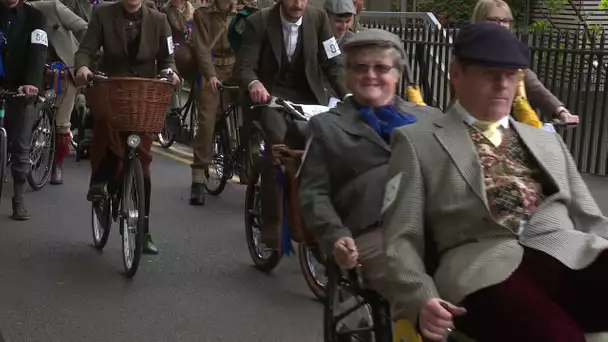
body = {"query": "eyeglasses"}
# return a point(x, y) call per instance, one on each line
point(379, 69)
point(503, 21)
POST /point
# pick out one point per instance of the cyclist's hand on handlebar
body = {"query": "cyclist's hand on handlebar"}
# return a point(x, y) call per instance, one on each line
point(436, 319)
point(215, 84)
point(565, 115)
point(83, 74)
point(175, 79)
point(345, 253)
point(29, 90)
point(258, 93)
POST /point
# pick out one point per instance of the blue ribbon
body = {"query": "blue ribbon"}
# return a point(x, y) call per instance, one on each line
point(57, 68)
point(286, 245)
point(189, 28)
point(199, 81)
point(2, 44)
point(95, 3)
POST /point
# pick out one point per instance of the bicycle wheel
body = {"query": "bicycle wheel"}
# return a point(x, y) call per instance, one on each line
point(3, 159)
point(101, 221)
point(132, 211)
point(42, 149)
point(265, 259)
point(313, 269)
point(220, 170)
point(167, 136)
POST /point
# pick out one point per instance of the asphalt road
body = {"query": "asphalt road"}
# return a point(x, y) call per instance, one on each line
point(55, 286)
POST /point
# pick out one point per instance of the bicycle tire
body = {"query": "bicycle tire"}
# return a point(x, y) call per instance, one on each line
point(48, 118)
point(253, 212)
point(101, 214)
point(221, 157)
point(3, 159)
point(133, 177)
point(314, 283)
point(167, 137)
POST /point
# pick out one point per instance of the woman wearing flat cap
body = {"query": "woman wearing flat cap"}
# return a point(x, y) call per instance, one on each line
point(344, 171)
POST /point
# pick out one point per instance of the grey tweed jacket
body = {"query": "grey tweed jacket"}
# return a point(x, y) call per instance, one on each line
point(436, 193)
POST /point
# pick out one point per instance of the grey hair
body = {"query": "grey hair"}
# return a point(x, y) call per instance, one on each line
point(395, 54)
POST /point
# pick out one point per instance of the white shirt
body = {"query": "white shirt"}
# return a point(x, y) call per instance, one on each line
point(468, 118)
point(290, 35)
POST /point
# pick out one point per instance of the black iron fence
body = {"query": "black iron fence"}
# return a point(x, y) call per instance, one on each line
point(573, 65)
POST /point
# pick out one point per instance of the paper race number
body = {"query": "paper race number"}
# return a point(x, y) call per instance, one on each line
point(170, 45)
point(390, 193)
point(331, 48)
point(39, 37)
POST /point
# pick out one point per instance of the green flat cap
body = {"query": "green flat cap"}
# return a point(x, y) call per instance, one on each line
point(374, 37)
point(340, 7)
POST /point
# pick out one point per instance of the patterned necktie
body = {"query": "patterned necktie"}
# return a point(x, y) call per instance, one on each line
point(490, 131)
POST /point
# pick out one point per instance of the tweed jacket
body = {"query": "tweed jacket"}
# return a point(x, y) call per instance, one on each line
point(106, 30)
point(259, 57)
point(344, 172)
point(63, 27)
point(435, 203)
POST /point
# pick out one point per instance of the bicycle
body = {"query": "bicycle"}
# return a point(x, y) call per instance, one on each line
point(125, 200)
point(43, 135)
point(4, 156)
point(230, 155)
point(179, 121)
point(292, 227)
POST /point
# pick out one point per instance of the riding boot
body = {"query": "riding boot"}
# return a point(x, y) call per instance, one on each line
point(62, 149)
point(19, 210)
point(148, 245)
point(197, 189)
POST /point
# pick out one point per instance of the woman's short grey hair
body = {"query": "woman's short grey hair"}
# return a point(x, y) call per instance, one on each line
point(395, 54)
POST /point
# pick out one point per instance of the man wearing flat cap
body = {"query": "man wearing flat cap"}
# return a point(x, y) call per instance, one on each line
point(488, 224)
point(341, 14)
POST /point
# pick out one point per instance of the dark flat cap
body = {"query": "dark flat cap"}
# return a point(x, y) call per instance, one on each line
point(374, 37)
point(491, 44)
point(340, 7)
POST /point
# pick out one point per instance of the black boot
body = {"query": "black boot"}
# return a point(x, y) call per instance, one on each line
point(19, 210)
point(197, 194)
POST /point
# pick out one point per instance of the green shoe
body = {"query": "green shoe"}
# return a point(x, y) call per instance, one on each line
point(148, 246)
point(97, 192)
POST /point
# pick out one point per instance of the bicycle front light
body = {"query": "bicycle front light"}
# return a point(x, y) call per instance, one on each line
point(133, 141)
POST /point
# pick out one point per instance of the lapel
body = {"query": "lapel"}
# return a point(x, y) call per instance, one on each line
point(144, 33)
point(350, 121)
point(308, 36)
point(16, 27)
point(537, 147)
point(275, 33)
point(119, 25)
point(455, 139)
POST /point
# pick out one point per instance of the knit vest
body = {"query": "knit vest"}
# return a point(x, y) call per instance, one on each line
point(512, 177)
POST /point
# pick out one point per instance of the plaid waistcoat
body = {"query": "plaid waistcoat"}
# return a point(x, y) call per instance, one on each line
point(512, 177)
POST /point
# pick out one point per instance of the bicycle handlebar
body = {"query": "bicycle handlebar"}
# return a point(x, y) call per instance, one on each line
point(290, 107)
point(222, 87)
point(7, 93)
point(164, 75)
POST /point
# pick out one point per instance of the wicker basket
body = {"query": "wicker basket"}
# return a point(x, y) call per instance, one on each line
point(291, 160)
point(131, 104)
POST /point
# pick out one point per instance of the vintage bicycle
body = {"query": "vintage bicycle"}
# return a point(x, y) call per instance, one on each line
point(134, 106)
point(287, 162)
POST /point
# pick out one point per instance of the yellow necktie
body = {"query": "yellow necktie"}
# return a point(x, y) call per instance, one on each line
point(490, 131)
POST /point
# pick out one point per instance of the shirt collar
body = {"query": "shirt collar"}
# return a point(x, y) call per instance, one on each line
point(470, 119)
point(287, 23)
